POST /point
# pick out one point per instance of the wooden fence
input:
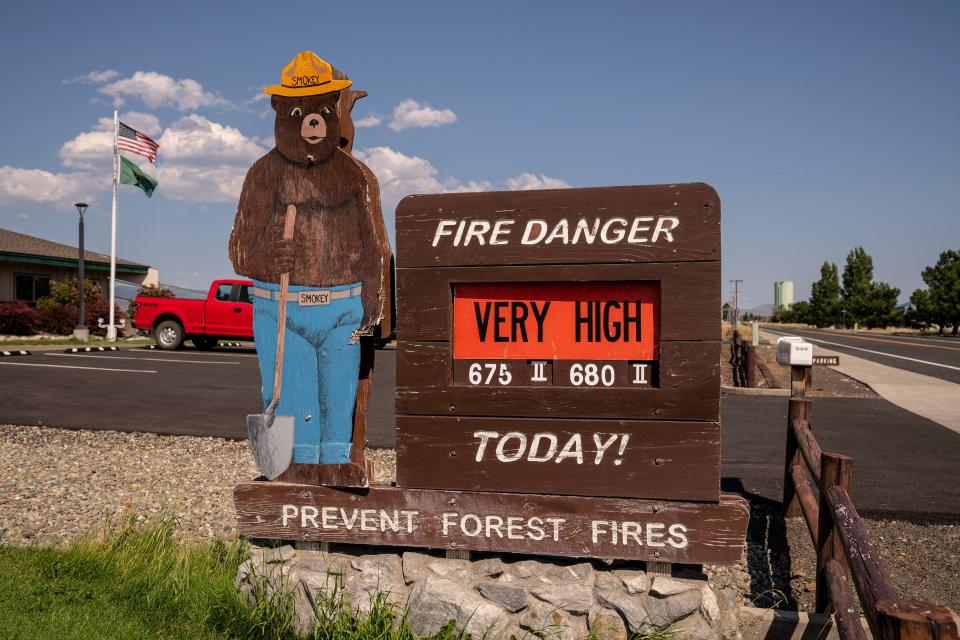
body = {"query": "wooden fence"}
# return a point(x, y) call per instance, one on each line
point(844, 550)
point(743, 361)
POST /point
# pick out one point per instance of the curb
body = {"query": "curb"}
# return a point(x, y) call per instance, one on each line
point(18, 352)
point(759, 391)
point(89, 349)
point(149, 347)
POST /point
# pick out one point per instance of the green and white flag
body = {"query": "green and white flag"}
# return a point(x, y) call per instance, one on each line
point(132, 174)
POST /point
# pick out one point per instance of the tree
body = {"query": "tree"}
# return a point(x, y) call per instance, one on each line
point(826, 303)
point(922, 310)
point(799, 312)
point(865, 301)
point(857, 275)
point(943, 283)
point(882, 306)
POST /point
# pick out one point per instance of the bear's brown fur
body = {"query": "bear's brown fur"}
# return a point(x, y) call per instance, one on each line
point(339, 236)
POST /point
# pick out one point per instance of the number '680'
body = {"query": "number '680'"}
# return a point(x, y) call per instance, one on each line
point(591, 375)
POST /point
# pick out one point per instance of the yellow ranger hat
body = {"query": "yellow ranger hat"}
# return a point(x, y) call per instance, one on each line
point(307, 75)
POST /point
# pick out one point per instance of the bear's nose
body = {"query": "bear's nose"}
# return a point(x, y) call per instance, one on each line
point(314, 122)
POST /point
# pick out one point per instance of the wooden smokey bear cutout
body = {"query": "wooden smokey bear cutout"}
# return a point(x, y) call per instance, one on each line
point(310, 233)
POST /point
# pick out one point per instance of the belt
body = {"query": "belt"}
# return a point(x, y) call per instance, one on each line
point(309, 297)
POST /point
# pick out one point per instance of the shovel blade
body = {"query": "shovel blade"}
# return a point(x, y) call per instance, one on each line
point(271, 440)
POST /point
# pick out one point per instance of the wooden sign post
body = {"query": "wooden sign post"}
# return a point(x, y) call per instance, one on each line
point(557, 386)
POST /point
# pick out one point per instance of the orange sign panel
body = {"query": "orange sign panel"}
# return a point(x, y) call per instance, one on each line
point(557, 321)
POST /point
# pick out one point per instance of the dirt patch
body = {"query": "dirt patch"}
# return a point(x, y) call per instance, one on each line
point(826, 381)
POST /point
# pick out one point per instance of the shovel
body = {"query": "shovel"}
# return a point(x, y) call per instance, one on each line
point(270, 435)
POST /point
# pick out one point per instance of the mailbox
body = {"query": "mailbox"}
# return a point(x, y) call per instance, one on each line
point(794, 351)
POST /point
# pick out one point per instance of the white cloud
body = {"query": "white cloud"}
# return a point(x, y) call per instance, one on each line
point(45, 187)
point(372, 120)
point(197, 140)
point(94, 77)
point(199, 183)
point(94, 149)
point(145, 122)
point(528, 181)
point(400, 175)
point(200, 160)
point(204, 161)
point(410, 114)
point(158, 90)
point(23, 215)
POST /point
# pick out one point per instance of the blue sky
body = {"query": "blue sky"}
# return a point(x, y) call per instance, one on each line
point(822, 125)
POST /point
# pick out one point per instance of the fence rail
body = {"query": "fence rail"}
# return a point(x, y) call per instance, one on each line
point(847, 561)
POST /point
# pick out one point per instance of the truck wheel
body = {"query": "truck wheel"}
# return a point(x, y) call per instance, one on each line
point(169, 335)
point(204, 343)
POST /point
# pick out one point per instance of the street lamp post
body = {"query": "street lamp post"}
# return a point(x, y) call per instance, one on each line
point(81, 332)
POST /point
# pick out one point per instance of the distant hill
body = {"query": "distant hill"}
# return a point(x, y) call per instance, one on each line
point(762, 310)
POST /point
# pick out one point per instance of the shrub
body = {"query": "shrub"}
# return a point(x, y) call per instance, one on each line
point(68, 292)
point(148, 291)
point(59, 319)
point(100, 309)
point(17, 318)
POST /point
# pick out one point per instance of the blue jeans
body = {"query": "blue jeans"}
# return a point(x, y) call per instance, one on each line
point(321, 367)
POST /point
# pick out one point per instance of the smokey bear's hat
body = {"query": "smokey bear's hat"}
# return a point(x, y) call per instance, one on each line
point(306, 75)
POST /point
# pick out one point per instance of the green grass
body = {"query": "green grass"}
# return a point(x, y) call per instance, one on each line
point(138, 583)
point(132, 584)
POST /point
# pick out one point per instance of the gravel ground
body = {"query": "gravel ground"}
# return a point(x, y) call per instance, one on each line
point(56, 484)
point(923, 560)
point(826, 381)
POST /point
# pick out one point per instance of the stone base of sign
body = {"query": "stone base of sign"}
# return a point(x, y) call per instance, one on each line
point(493, 597)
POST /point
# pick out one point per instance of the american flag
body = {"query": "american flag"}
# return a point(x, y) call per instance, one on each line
point(129, 139)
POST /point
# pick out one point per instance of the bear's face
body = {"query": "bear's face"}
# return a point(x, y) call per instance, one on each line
point(307, 128)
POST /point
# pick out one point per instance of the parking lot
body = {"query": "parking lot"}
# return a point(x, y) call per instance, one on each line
point(185, 392)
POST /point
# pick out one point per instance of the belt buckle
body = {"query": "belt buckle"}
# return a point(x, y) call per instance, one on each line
point(312, 298)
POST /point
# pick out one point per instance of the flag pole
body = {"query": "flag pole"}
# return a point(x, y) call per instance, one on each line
point(111, 328)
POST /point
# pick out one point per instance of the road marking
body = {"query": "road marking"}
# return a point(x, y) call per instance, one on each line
point(85, 355)
point(927, 338)
point(879, 353)
point(227, 355)
point(889, 341)
point(67, 366)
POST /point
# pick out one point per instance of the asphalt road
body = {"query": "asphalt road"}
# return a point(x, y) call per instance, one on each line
point(185, 392)
point(928, 355)
point(905, 465)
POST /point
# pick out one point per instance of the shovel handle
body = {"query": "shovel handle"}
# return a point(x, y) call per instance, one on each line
point(288, 223)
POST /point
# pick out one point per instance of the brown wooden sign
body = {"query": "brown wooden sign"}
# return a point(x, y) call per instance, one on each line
point(509, 523)
point(616, 458)
point(555, 314)
point(668, 223)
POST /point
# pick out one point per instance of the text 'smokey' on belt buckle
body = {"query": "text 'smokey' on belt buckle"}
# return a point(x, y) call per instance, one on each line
point(313, 298)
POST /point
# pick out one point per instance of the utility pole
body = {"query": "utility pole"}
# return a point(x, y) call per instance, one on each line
point(735, 311)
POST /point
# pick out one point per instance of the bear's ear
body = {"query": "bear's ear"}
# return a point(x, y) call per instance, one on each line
point(275, 102)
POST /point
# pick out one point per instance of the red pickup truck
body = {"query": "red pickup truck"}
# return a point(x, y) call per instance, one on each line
point(227, 312)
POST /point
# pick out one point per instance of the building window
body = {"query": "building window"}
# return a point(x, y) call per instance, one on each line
point(31, 288)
